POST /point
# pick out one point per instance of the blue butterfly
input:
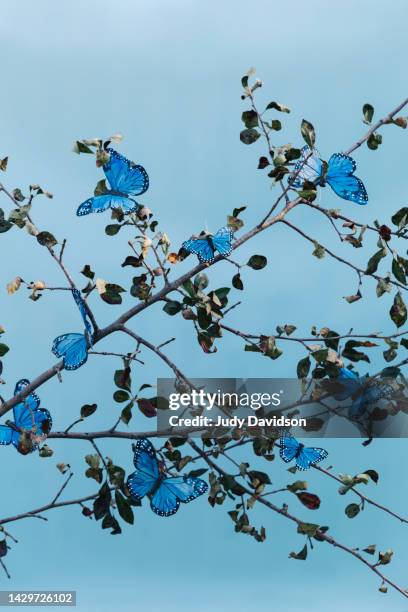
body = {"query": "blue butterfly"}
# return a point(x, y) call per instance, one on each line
point(31, 423)
point(339, 174)
point(364, 393)
point(149, 479)
point(305, 456)
point(126, 179)
point(206, 246)
point(82, 309)
point(73, 348)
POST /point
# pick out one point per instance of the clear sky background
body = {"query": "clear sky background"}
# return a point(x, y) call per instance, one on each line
point(167, 75)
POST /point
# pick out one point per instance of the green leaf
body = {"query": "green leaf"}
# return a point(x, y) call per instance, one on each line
point(112, 293)
point(230, 484)
point(3, 164)
point(80, 147)
point(400, 217)
point(131, 260)
point(350, 352)
point(197, 473)
point(101, 504)
point(398, 311)
point(237, 282)
point(268, 347)
point(319, 250)
point(352, 510)
point(277, 106)
point(257, 262)
point(140, 289)
point(112, 229)
point(398, 271)
point(368, 113)
point(298, 485)
point(320, 355)
point(3, 349)
point(46, 451)
point(46, 239)
point(308, 529)
point(201, 281)
point(262, 477)
point(374, 141)
point(189, 288)
point(4, 225)
point(250, 119)
point(308, 132)
point(301, 555)
point(121, 396)
point(87, 410)
point(109, 522)
point(370, 550)
point(303, 367)
point(331, 339)
point(372, 474)
point(383, 286)
point(124, 508)
point(385, 557)
point(95, 472)
point(17, 195)
point(263, 163)
point(87, 272)
point(126, 413)
point(249, 136)
point(122, 379)
point(172, 307)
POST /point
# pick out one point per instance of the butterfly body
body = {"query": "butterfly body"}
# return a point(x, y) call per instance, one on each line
point(31, 423)
point(305, 457)
point(205, 246)
point(126, 180)
point(149, 479)
point(338, 173)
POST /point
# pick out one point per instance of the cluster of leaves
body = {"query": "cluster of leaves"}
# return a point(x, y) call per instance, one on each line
point(110, 497)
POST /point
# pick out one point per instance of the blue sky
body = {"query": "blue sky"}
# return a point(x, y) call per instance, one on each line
point(167, 75)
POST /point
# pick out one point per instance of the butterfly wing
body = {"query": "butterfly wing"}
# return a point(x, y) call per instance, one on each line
point(310, 455)
point(288, 448)
point(72, 348)
point(200, 247)
point(308, 168)
point(125, 176)
point(370, 396)
point(23, 410)
point(81, 305)
point(6, 435)
point(350, 383)
point(166, 500)
point(146, 475)
point(341, 179)
point(99, 204)
point(222, 241)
